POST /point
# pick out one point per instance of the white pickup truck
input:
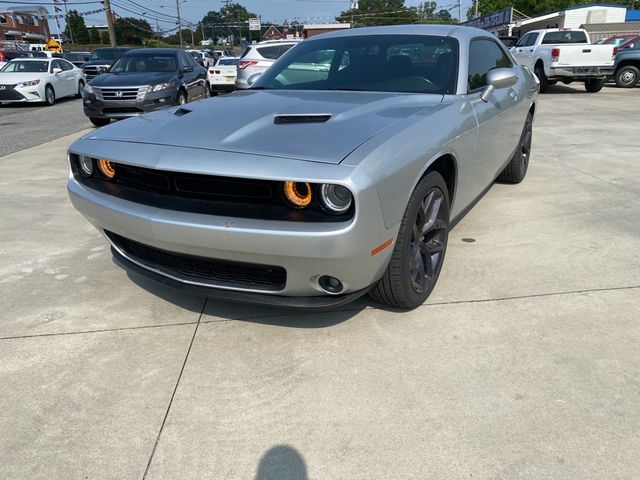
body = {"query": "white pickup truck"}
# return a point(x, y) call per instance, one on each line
point(565, 55)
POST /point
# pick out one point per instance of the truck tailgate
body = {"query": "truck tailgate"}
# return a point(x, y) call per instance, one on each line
point(584, 55)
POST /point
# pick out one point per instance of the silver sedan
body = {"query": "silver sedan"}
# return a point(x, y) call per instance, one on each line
point(339, 173)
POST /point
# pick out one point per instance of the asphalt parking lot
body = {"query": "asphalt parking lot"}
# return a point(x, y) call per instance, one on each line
point(523, 364)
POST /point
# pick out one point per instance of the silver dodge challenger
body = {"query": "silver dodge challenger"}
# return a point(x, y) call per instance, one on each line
point(340, 172)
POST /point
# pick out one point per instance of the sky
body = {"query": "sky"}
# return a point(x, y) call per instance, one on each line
point(277, 11)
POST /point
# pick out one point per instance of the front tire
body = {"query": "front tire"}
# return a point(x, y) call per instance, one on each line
point(420, 247)
point(627, 76)
point(181, 99)
point(594, 85)
point(516, 170)
point(49, 95)
point(99, 122)
point(207, 90)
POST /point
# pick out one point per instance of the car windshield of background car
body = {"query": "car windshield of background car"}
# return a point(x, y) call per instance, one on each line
point(144, 63)
point(380, 63)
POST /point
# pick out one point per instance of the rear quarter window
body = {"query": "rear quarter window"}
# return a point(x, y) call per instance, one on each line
point(271, 53)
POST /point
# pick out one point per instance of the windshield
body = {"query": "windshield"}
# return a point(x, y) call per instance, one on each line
point(106, 54)
point(18, 66)
point(228, 61)
point(144, 63)
point(376, 63)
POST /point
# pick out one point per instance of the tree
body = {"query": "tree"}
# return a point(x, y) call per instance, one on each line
point(94, 35)
point(76, 29)
point(427, 14)
point(131, 31)
point(380, 12)
point(104, 38)
point(230, 20)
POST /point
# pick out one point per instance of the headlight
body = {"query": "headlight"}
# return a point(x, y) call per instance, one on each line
point(30, 83)
point(335, 199)
point(298, 194)
point(86, 165)
point(88, 89)
point(160, 86)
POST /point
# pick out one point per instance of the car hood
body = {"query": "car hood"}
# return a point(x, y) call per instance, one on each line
point(13, 78)
point(244, 122)
point(131, 79)
point(98, 62)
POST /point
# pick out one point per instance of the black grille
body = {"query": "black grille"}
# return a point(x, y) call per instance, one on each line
point(8, 93)
point(92, 72)
point(206, 194)
point(214, 272)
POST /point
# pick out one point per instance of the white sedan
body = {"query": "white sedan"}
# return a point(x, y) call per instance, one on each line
point(222, 76)
point(40, 80)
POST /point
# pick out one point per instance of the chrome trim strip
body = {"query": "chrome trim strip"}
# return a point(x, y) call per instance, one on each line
point(183, 280)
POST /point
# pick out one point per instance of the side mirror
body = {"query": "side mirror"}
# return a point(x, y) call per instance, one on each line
point(187, 69)
point(251, 80)
point(498, 78)
point(56, 70)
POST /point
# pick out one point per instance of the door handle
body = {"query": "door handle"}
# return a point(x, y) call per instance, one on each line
point(531, 49)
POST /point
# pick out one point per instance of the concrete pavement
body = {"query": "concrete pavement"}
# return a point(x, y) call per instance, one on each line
point(523, 363)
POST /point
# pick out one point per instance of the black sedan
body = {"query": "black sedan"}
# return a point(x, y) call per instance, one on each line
point(144, 80)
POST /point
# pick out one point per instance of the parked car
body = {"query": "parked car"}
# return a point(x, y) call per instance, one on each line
point(143, 80)
point(101, 59)
point(77, 58)
point(627, 66)
point(257, 57)
point(313, 189)
point(628, 43)
point(222, 75)
point(7, 54)
point(39, 80)
point(203, 57)
point(566, 55)
point(617, 40)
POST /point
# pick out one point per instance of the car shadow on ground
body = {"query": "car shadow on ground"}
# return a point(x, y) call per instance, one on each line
point(30, 105)
point(217, 310)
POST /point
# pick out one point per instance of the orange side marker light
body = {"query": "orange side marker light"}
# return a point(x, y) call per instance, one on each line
point(380, 248)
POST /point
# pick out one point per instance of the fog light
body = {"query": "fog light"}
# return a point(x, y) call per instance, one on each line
point(298, 194)
point(86, 165)
point(330, 284)
point(107, 169)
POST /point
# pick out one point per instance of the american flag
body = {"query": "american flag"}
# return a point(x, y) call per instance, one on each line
point(56, 6)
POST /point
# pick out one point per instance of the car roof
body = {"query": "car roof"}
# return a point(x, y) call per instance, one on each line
point(39, 59)
point(456, 31)
point(164, 51)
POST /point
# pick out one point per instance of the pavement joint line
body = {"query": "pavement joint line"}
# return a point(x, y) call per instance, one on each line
point(103, 330)
point(595, 177)
point(175, 389)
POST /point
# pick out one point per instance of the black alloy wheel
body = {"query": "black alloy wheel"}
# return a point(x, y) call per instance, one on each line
point(420, 247)
point(207, 90)
point(544, 82)
point(181, 99)
point(516, 169)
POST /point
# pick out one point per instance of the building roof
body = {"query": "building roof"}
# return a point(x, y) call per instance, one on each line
point(632, 15)
point(613, 28)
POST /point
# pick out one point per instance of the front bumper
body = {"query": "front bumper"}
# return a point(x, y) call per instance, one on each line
point(118, 109)
point(11, 94)
point(305, 250)
point(580, 72)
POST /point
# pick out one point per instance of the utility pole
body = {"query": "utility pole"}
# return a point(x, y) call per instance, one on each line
point(157, 32)
point(179, 21)
point(193, 40)
point(112, 30)
point(66, 17)
point(459, 11)
point(476, 14)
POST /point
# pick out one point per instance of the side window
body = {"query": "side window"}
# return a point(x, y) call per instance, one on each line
point(66, 66)
point(531, 40)
point(283, 50)
point(269, 52)
point(523, 41)
point(183, 61)
point(55, 64)
point(484, 55)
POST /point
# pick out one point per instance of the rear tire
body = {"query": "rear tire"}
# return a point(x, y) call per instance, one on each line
point(516, 170)
point(418, 253)
point(544, 82)
point(49, 95)
point(99, 122)
point(594, 85)
point(80, 88)
point(627, 76)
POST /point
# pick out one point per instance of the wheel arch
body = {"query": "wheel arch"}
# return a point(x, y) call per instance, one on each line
point(629, 62)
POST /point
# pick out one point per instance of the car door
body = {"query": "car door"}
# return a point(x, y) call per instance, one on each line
point(500, 120)
point(69, 77)
point(525, 49)
point(198, 78)
point(187, 73)
point(58, 80)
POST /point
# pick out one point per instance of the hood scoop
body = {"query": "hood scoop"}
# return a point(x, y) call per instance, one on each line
point(181, 111)
point(286, 118)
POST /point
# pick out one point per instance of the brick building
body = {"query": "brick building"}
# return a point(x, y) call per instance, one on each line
point(24, 24)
